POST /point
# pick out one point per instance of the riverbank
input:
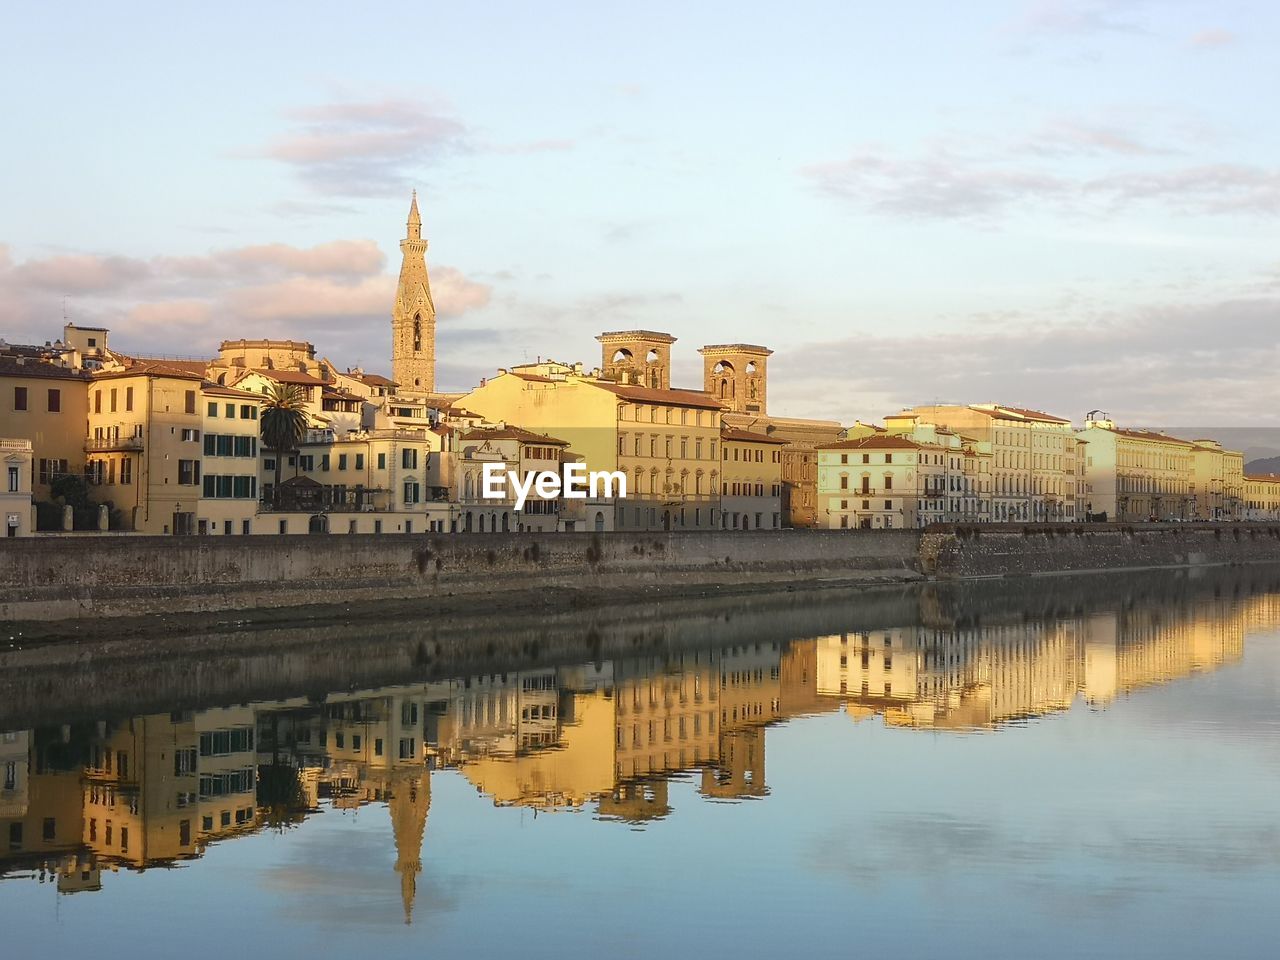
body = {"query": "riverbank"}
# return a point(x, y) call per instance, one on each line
point(151, 581)
point(194, 663)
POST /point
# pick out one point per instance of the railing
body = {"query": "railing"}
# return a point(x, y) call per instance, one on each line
point(18, 445)
point(102, 444)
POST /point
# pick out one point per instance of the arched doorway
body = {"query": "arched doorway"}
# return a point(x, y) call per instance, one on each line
point(319, 523)
point(506, 524)
point(599, 522)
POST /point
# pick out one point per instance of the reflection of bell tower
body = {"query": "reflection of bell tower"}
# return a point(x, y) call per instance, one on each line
point(413, 320)
point(640, 357)
point(735, 374)
point(409, 802)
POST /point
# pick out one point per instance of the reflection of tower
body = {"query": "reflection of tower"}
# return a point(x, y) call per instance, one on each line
point(413, 320)
point(408, 803)
point(736, 375)
point(640, 357)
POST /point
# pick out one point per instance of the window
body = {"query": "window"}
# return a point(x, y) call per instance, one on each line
point(189, 434)
point(382, 461)
point(55, 401)
point(230, 410)
point(188, 472)
point(19, 398)
point(409, 459)
point(213, 409)
point(342, 461)
point(324, 461)
point(13, 479)
point(114, 392)
point(191, 401)
point(866, 458)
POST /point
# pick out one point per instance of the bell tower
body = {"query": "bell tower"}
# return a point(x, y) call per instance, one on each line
point(640, 357)
point(413, 320)
point(736, 375)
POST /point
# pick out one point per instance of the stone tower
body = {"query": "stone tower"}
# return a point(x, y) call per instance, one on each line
point(641, 357)
point(413, 321)
point(735, 374)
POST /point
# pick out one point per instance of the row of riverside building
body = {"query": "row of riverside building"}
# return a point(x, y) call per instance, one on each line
point(172, 446)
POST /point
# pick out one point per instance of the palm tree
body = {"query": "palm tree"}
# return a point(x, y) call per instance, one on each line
point(284, 424)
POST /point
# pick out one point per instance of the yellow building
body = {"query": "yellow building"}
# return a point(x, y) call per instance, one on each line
point(16, 510)
point(1261, 496)
point(1218, 485)
point(666, 442)
point(751, 480)
point(46, 404)
point(1136, 475)
point(144, 447)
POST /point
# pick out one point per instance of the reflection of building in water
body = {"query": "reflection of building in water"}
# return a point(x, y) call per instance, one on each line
point(160, 788)
point(942, 675)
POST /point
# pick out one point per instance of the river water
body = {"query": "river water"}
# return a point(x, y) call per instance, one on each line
point(1074, 767)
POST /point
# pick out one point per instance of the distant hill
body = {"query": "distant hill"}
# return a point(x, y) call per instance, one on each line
point(1265, 465)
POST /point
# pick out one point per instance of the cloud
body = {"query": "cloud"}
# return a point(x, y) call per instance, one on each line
point(379, 148)
point(1212, 39)
point(1074, 18)
point(1162, 363)
point(368, 149)
point(947, 184)
point(939, 185)
point(1074, 137)
point(186, 305)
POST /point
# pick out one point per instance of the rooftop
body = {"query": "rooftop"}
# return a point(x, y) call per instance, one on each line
point(636, 335)
point(735, 348)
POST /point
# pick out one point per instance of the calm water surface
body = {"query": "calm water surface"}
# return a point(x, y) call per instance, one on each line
point(1099, 780)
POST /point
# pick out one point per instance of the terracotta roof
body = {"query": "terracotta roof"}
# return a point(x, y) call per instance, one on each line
point(876, 442)
point(749, 436)
point(373, 379)
point(1151, 435)
point(332, 394)
point(735, 348)
point(199, 367)
point(1026, 414)
point(513, 433)
point(1263, 477)
point(219, 390)
point(667, 398)
point(535, 377)
point(11, 367)
point(291, 376)
point(150, 368)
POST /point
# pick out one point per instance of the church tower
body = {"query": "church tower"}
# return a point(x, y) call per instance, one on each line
point(413, 321)
point(735, 373)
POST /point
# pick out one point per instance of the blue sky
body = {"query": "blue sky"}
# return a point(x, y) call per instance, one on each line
point(1058, 204)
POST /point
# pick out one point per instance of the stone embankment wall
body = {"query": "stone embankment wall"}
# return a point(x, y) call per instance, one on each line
point(63, 578)
point(68, 578)
point(1004, 550)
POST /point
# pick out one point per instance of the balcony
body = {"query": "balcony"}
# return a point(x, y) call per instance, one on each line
point(113, 445)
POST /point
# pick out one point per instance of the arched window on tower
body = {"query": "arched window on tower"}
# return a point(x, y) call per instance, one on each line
point(417, 332)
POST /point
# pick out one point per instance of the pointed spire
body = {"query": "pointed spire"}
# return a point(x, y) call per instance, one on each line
point(415, 219)
point(409, 804)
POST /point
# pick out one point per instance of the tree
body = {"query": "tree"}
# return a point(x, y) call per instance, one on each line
point(284, 424)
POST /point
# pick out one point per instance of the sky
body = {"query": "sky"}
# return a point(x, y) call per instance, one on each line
point(1056, 204)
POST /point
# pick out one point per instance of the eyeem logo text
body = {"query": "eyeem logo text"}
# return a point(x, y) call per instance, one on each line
point(576, 484)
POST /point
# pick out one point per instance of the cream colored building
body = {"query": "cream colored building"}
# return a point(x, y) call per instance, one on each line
point(517, 451)
point(883, 482)
point(751, 480)
point(1030, 450)
point(16, 510)
point(231, 460)
point(1137, 475)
